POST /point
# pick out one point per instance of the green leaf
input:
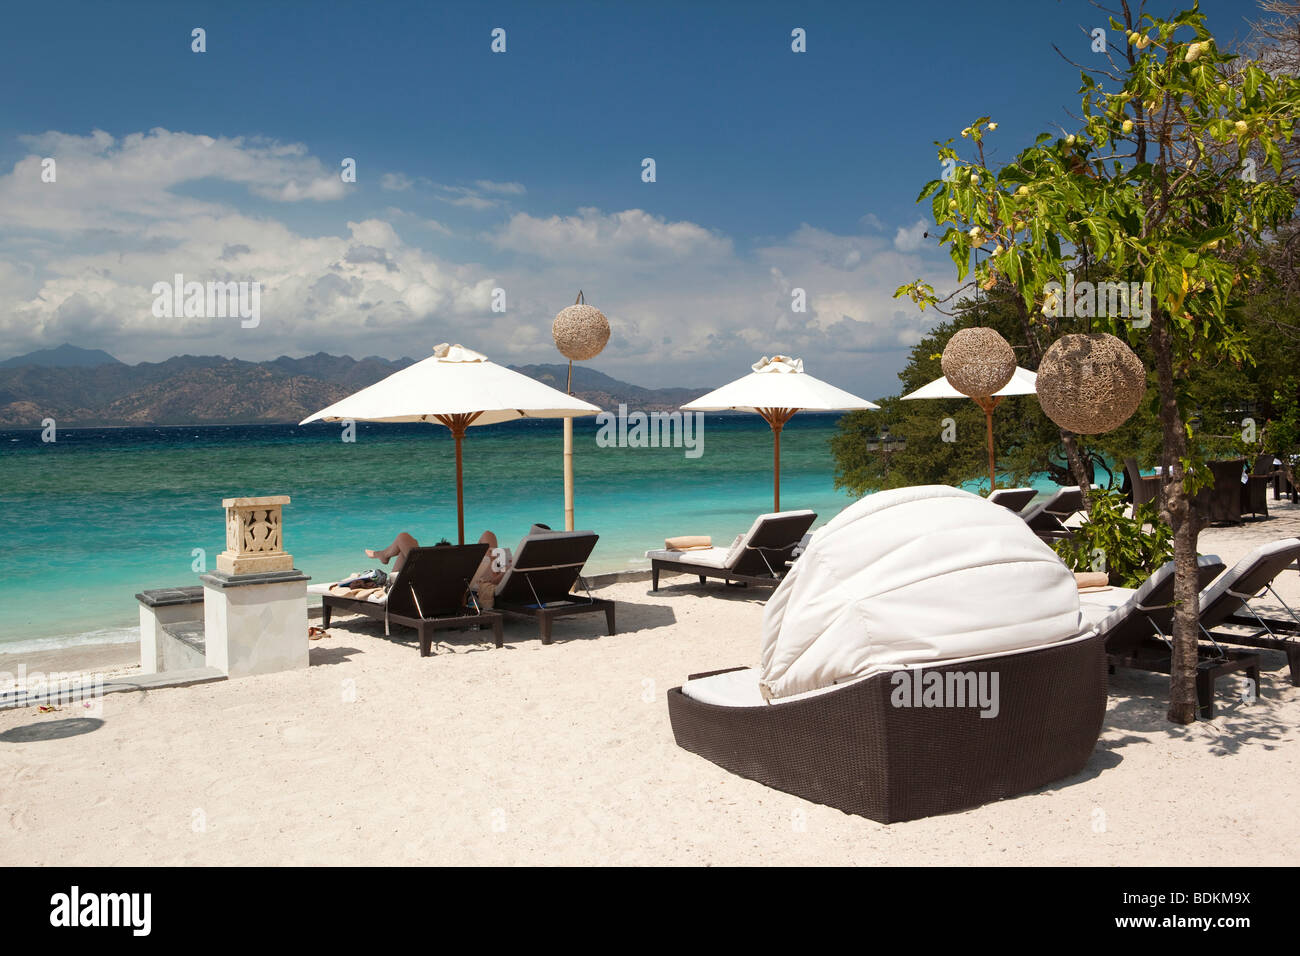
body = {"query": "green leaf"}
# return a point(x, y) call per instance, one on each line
point(930, 188)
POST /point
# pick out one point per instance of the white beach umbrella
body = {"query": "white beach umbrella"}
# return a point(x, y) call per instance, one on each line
point(1023, 382)
point(776, 389)
point(456, 387)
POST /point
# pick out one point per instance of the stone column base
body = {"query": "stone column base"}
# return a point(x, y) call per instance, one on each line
point(255, 623)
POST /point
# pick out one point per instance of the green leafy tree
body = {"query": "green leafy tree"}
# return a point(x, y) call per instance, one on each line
point(1150, 187)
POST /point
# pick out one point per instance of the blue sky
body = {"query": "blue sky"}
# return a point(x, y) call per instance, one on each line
point(519, 170)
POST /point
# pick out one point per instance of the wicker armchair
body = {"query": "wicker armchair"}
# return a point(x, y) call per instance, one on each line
point(1141, 488)
point(1254, 493)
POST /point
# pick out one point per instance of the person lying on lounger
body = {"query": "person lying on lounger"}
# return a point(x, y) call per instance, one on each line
point(492, 569)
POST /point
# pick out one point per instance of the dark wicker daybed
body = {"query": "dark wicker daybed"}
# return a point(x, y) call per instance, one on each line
point(925, 655)
point(428, 594)
point(850, 748)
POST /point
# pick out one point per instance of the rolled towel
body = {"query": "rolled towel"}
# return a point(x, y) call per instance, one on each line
point(1090, 579)
point(688, 542)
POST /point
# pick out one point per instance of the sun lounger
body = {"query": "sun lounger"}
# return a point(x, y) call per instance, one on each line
point(1225, 602)
point(540, 582)
point(1136, 625)
point(1047, 518)
point(1013, 499)
point(760, 556)
point(428, 594)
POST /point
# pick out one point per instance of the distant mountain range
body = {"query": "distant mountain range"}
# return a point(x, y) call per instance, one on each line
point(77, 386)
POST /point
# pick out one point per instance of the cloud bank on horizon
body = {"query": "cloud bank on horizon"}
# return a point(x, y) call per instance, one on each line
point(79, 257)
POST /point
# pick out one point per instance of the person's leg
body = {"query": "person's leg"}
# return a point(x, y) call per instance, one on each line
point(485, 572)
point(401, 545)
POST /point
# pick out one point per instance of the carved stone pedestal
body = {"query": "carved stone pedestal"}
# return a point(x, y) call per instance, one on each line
point(254, 536)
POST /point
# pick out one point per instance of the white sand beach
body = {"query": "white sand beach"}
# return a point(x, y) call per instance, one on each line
point(563, 754)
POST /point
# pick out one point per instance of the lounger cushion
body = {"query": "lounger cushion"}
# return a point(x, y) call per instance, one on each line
point(909, 576)
point(1107, 609)
point(708, 557)
point(722, 558)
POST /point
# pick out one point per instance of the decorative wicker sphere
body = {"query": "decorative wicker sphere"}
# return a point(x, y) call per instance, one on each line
point(580, 331)
point(1089, 384)
point(977, 362)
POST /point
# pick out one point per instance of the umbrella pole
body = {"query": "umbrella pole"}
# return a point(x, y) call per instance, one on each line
point(568, 460)
point(457, 424)
point(459, 433)
point(988, 404)
point(776, 418)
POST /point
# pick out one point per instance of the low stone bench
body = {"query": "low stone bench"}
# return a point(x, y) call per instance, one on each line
point(171, 629)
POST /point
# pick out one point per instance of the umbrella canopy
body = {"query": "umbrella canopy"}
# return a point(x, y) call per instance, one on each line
point(776, 389)
point(456, 387)
point(1023, 382)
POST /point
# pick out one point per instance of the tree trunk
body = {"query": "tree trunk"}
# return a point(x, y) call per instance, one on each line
point(1077, 467)
point(1177, 510)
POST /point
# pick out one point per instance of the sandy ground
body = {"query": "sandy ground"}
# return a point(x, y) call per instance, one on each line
point(563, 754)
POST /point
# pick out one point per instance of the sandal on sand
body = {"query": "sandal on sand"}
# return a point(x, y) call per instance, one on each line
point(315, 633)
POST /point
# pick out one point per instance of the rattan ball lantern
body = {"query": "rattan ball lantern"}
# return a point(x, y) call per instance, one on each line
point(580, 331)
point(978, 362)
point(1090, 383)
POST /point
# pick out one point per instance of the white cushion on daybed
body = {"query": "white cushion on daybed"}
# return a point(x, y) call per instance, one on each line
point(913, 576)
point(741, 688)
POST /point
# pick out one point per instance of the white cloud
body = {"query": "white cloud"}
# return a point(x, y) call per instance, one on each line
point(396, 182)
point(120, 224)
point(593, 235)
point(78, 260)
point(507, 189)
point(910, 238)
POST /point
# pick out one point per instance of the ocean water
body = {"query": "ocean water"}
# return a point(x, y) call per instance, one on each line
point(100, 514)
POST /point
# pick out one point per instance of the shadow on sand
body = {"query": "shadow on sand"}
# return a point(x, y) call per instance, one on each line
point(51, 730)
point(1140, 702)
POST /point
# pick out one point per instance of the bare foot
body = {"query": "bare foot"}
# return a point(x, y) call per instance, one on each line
point(375, 554)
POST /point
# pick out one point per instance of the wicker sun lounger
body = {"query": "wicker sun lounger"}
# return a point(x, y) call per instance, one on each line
point(1047, 518)
point(1013, 499)
point(1225, 602)
point(761, 557)
point(428, 594)
point(850, 748)
point(540, 582)
point(1136, 623)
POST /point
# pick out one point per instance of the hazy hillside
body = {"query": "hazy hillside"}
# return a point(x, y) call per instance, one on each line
point(88, 387)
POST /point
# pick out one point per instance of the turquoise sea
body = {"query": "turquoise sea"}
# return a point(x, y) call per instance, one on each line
point(100, 514)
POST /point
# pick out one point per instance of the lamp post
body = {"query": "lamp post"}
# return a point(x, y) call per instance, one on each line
point(580, 332)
